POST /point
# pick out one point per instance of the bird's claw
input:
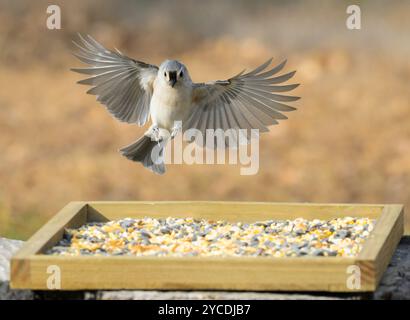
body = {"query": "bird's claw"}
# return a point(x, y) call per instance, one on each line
point(175, 130)
point(154, 133)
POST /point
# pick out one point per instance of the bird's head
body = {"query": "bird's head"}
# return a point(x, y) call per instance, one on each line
point(174, 72)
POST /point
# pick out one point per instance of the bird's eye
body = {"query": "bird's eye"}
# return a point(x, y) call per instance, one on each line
point(165, 74)
point(181, 74)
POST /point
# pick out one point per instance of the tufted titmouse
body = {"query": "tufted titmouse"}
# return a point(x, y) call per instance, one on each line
point(132, 91)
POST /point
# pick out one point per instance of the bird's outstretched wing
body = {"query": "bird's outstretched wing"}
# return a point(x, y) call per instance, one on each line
point(245, 101)
point(122, 84)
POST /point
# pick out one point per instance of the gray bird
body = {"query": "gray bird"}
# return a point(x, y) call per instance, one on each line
point(133, 91)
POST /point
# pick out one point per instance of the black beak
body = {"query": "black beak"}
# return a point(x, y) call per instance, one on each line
point(172, 78)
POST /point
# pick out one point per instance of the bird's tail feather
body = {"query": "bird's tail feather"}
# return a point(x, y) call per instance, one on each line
point(147, 151)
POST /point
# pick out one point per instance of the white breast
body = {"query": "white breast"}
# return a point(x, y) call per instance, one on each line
point(170, 104)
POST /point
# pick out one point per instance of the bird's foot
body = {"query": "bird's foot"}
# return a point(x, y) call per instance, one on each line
point(154, 133)
point(177, 128)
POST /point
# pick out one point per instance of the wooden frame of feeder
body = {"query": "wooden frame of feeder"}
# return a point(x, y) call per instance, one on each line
point(29, 267)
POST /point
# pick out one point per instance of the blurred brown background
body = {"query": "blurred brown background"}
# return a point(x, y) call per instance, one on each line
point(349, 141)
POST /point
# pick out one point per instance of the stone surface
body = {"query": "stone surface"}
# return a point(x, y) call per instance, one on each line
point(7, 249)
point(395, 284)
point(200, 295)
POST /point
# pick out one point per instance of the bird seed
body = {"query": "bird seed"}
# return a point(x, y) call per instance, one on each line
point(341, 237)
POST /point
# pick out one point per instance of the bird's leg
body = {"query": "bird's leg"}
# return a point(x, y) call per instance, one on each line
point(153, 132)
point(177, 128)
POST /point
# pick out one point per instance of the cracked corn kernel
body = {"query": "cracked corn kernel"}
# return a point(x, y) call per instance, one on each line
point(171, 236)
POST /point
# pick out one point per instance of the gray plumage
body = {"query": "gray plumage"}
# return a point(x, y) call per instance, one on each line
point(116, 81)
point(141, 151)
point(134, 91)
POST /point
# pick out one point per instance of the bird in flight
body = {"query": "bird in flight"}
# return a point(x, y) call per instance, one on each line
point(134, 91)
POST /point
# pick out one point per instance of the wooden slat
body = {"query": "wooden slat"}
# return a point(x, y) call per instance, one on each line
point(73, 214)
point(379, 247)
point(250, 273)
point(233, 211)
